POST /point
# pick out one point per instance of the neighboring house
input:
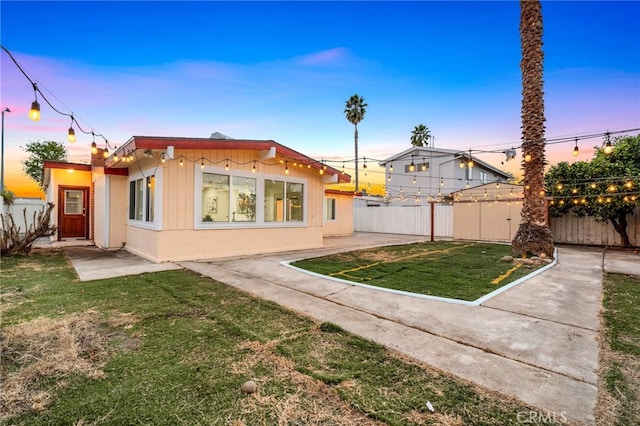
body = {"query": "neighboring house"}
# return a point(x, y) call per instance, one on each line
point(432, 174)
point(171, 198)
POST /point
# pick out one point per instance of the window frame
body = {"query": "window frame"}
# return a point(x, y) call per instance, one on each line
point(147, 198)
point(325, 209)
point(260, 199)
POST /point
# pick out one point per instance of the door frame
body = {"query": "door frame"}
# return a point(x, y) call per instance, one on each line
point(86, 191)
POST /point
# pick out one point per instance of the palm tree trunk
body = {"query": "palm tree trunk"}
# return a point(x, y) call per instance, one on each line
point(534, 235)
point(355, 141)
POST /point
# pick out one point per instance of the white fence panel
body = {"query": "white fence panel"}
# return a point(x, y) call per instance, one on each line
point(17, 210)
point(409, 220)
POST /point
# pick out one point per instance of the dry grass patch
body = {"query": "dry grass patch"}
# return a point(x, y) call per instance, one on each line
point(309, 402)
point(46, 348)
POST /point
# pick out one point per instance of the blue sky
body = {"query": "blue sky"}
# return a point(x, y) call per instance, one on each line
point(283, 71)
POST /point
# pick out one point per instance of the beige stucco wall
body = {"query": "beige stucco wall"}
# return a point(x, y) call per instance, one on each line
point(176, 237)
point(343, 224)
point(110, 211)
point(64, 177)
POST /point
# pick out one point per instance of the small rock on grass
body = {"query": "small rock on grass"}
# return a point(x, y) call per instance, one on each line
point(249, 386)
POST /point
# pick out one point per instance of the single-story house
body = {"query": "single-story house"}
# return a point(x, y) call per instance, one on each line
point(175, 198)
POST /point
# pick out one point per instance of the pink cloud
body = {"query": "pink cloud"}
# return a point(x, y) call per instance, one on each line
point(334, 56)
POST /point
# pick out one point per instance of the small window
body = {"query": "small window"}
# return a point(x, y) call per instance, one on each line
point(329, 209)
point(142, 199)
point(73, 202)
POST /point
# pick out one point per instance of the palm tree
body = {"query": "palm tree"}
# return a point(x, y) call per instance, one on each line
point(354, 111)
point(534, 235)
point(420, 135)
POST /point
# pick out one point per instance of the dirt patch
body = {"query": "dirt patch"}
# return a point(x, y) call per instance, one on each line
point(312, 402)
point(52, 347)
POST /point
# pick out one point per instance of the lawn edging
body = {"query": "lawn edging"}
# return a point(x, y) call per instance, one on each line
point(476, 302)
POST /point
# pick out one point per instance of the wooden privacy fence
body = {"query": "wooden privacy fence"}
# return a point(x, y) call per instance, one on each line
point(569, 229)
point(410, 220)
point(486, 221)
point(496, 221)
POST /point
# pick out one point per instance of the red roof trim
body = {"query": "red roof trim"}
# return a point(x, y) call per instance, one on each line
point(48, 164)
point(116, 172)
point(338, 192)
point(162, 142)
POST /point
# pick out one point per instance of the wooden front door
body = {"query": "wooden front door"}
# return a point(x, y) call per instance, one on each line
point(73, 212)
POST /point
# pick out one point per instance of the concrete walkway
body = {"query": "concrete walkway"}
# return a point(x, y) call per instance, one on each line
point(536, 341)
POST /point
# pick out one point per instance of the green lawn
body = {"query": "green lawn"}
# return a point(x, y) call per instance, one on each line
point(620, 352)
point(458, 270)
point(174, 348)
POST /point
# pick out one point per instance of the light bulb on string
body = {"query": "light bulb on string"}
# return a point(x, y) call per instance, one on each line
point(71, 134)
point(286, 167)
point(181, 162)
point(162, 159)
point(576, 151)
point(34, 112)
point(226, 166)
point(608, 148)
point(105, 153)
point(94, 147)
point(253, 169)
point(202, 164)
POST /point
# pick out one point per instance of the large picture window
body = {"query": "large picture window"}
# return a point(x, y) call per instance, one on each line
point(228, 198)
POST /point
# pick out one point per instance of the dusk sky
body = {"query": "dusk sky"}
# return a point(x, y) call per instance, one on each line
point(283, 71)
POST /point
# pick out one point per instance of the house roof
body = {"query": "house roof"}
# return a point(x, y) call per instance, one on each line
point(163, 143)
point(422, 151)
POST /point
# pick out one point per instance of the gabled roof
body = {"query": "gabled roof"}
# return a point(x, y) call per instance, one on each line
point(182, 143)
point(423, 151)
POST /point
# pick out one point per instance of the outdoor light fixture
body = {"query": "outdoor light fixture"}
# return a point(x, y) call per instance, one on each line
point(94, 148)
point(202, 164)
point(162, 159)
point(576, 151)
point(181, 162)
point(71, 135)
point(412, 166)
point(105, 154)
point(286, 167)
point(226, 166)
point(34, 113)
point(461, 165)
point(391, 167)
point(253, 169)
point(608, 148)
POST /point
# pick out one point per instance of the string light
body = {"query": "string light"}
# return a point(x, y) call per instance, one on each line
point(226, 166)
point(576, 151)
point(202, 164)
point(71, 136)
point(94, 147)
point(286, 167)
point(162, 158)
point(253, 169)
point(181, 162)
point(608, 148)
